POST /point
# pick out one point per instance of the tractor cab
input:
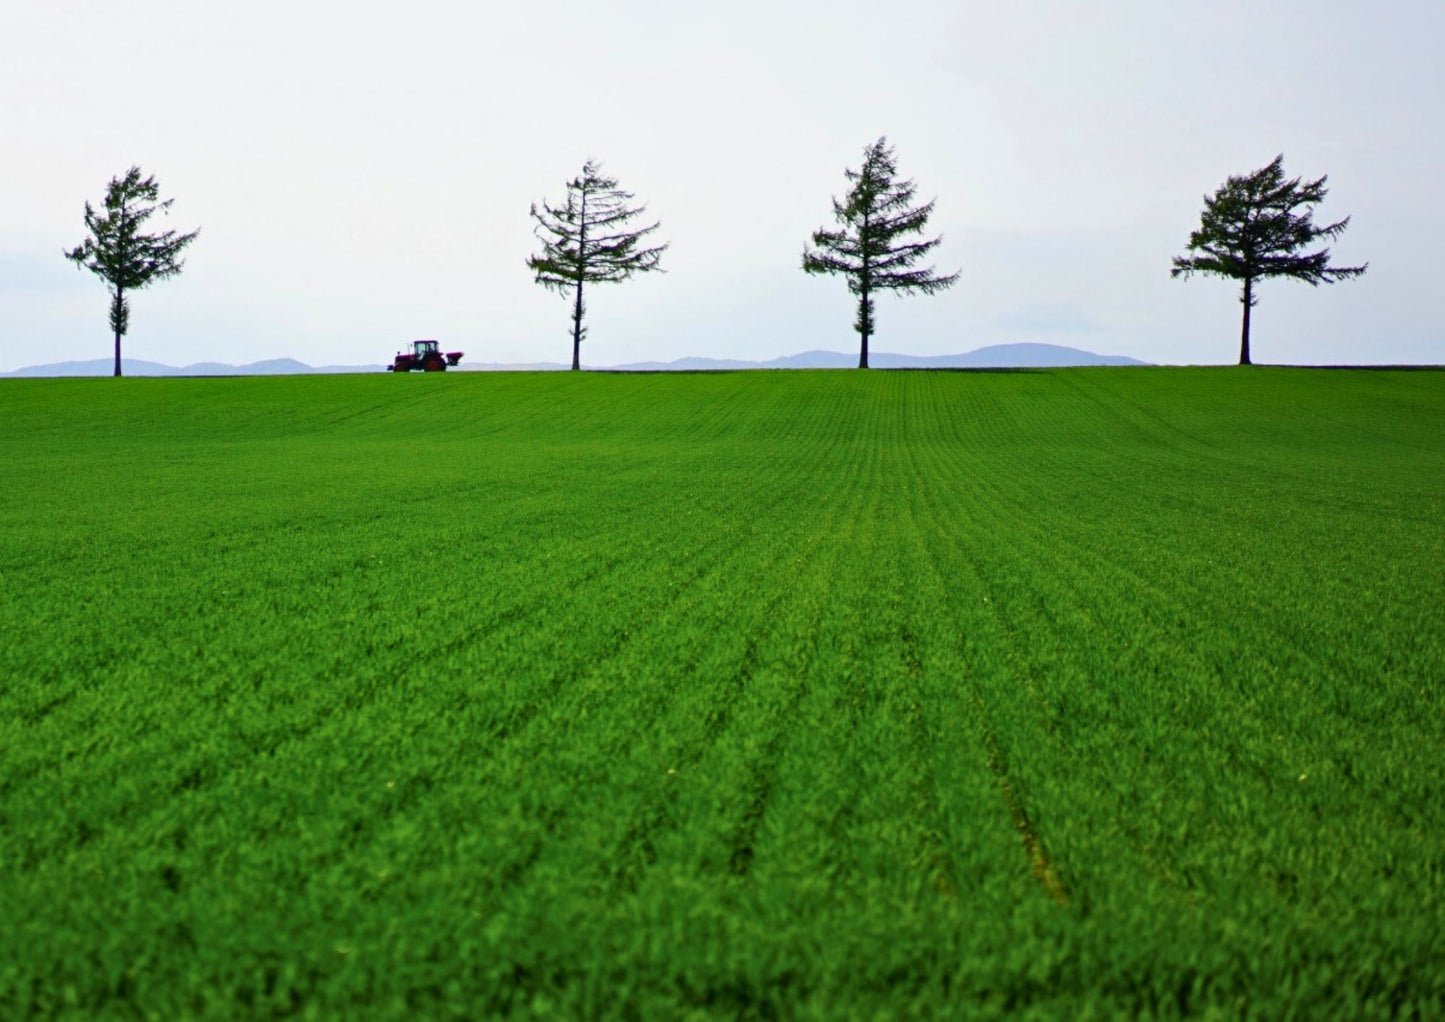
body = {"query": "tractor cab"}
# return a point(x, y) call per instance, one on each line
point(426, 356)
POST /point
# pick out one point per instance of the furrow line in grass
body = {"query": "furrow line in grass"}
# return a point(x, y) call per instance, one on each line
point(1045, 747)
point(1040, 862)
point(1253, 719)
point(744, 686)
point(595, 667)
point(763, 775)
point(926, 477)
point(702, 560)
point(902, 586)
point(546, 821)
point(1090, 566)
point(639, 772)
point(737, 791)
point(831, 798)
point(934, 475)
point(575, 581)
point(1086, 579)
point(943, 776)
point(1025, 539)
point(690, 728)
point(888, 715)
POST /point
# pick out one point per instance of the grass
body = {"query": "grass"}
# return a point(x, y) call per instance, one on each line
point(765, 694)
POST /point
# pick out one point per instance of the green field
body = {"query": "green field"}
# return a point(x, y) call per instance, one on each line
point(887, 694)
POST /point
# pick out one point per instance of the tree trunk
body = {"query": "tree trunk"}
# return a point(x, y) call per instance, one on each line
point(577, 328)
point(581, 273)
point(865, 326)
point(118, 301)
point(1248, 301)
point(865, 306)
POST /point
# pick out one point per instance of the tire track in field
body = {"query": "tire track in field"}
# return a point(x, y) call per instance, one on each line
point(1076, 568)
point(1041, 864)
point(1030, 531)
point(1237, 732)
point(930, 477)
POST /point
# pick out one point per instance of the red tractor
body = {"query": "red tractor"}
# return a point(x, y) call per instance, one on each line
point(426, 356)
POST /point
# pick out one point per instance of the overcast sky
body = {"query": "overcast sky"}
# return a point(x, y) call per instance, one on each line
point(362, 172)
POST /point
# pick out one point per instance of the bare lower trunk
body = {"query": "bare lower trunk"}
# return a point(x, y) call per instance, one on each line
point(578, 307)
point(577, 328)
point(865, 327)
point(117, 322)
point(1248, 301)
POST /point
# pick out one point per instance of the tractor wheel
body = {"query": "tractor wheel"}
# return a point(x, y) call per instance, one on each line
point(434, 365)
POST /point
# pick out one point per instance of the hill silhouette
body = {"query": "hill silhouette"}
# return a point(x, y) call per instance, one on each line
point(996, 356)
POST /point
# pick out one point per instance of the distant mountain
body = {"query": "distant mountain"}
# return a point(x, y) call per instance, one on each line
point(691, 364)
point(140, 367)
point(1010, 356)
point(996, 356)
point(511, 367)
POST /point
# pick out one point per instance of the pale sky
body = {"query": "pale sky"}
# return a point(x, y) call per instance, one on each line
point(361, 172)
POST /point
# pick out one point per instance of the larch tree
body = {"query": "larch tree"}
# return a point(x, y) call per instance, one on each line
point(870, 247)
point(587, 240)
point(1255, 227)
point(120, 254)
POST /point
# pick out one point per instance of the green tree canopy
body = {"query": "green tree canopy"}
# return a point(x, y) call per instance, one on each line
point(1250, 230)
point(876, 215)
point(586, 240)
point(120, 254)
